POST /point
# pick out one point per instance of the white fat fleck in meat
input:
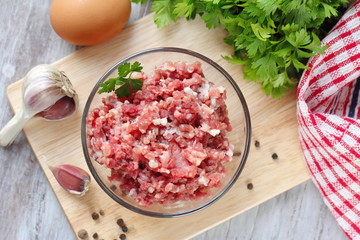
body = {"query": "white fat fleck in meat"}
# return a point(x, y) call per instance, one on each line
point(98, 154)
point(106, 149)
point(165, 156)
point(189, 91)
point(153, 164)
point(203, 180)
point(132, 193)
point(230, 153)
point(113, 111)
point(207, 109)
point(118, 104)
point(204, 90)
point(160, 121)
point(189, 68)
point(126, 102)
point(164, 170)
point(205, 127)
point(185, 134)
point(168, 66)
point(214, 132)
point(102, 113)
point(145, 140)
point(213, 101)
point(151, 189)
point(125, 126)
point(170, 131)
point(221, 89)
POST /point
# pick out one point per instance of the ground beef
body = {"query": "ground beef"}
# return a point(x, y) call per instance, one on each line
point(166, 142)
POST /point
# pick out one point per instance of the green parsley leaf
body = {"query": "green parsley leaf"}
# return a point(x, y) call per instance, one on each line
point(108, 86)
point(136, 67)
point(234, 60)
point(269, 7)
point(329, 10)
point(184, 9)
point(212, 19)
point(136, 84)
point(124, 80)
point(123, 91)
point(163, 10)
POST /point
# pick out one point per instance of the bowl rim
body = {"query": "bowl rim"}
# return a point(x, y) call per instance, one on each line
point(225, 189)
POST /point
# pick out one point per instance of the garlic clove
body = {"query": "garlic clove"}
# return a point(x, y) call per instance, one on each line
point(73, 179)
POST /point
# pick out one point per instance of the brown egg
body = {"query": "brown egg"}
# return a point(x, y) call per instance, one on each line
point(88, 22)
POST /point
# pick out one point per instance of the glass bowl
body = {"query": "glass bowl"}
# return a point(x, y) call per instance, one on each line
point(239, 136)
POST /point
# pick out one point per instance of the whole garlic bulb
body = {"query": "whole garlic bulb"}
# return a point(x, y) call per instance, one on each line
point(47, 93)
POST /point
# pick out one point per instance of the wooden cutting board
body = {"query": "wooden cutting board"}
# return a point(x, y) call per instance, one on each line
point(274, 126)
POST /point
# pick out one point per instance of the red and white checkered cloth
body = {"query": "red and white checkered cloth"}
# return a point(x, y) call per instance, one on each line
point(329, 121)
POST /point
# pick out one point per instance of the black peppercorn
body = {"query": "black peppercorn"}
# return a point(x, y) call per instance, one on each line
point(101, 212)
point(257, 144)
point(122, 236)
point(124, 228)
point(95, 236)
point(95, 216)
point(113, 187)
point(274, 156)
point(82, 234)
point(250, 186)
point(120, 222)
point(237, 154)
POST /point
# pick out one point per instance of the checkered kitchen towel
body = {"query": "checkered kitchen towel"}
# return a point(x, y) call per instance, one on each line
point(329, 121)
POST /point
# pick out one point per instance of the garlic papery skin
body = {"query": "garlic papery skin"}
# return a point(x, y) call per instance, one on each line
point(73, 179)
point(45, 92)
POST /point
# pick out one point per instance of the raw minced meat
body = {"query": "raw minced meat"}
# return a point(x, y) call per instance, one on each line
point(166, 142)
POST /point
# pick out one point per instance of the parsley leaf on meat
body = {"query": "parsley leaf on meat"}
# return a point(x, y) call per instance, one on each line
point(124, 80)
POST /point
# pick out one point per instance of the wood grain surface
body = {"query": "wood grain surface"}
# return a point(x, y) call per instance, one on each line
point(29, 209)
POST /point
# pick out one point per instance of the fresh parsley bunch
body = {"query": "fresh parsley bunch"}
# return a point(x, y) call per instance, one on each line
point(273, 39)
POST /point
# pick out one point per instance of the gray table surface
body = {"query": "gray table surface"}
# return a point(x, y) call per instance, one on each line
point(29, 208)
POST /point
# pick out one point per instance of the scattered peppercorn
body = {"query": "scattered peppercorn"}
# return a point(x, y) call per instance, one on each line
point(257, 144)
point(95, 236)
point(95, 216)
point(113, 187)
point(120, 222)
point(83, 234)
point(274, 156)
point(122, 236)
point(124, 228)
point(236, 154)
point(102, 213)
point(250, 186)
